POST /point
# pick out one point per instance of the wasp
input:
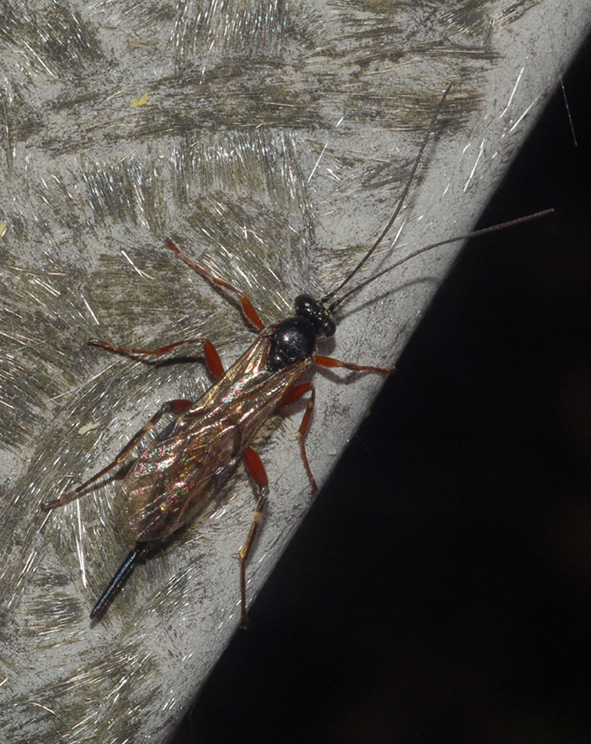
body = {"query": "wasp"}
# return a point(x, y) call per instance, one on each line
point(179, 476)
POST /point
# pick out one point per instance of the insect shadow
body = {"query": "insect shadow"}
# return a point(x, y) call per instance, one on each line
point(179, 476)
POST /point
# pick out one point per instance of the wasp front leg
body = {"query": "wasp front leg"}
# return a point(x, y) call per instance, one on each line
point(330, 362)
point(248, 309)
point(298, 390)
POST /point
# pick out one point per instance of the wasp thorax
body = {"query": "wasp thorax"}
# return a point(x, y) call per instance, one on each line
point(316, 314)
point(293, 341)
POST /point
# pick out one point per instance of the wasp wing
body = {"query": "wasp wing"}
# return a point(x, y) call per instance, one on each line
point(180, 475)
point(175, 479)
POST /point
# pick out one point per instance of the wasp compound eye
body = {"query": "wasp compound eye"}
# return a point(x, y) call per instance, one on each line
point(329, 327)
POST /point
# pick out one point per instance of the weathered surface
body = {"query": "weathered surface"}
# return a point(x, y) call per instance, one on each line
point(271, 140)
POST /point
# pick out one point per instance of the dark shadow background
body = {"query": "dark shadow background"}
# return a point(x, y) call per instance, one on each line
point(440, 589)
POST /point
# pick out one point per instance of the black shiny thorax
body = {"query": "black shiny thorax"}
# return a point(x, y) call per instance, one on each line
point(295, 338)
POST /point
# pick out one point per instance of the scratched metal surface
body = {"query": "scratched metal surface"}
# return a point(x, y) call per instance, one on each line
point(270, 139)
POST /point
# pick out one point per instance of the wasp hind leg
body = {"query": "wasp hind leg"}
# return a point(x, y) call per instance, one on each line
point(175, 407)
point(257, 472)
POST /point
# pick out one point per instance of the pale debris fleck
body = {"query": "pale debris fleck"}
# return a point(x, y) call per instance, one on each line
point(137, 102)
point(86, 428)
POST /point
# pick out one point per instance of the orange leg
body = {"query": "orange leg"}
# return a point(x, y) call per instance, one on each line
point(291, 396)
point(212, 358)
point(257, 472)
point(324, 361)
point(247, 307)
point(176, 407)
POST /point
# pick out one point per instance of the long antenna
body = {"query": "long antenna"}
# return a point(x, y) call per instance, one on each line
point(399, 206)
point(414, 254)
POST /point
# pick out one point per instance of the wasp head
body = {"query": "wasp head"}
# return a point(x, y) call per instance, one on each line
point(316, 314)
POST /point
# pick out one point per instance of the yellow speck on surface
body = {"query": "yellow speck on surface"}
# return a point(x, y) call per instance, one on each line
point(3, 228)
point(88, 427)
point(137, 102)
